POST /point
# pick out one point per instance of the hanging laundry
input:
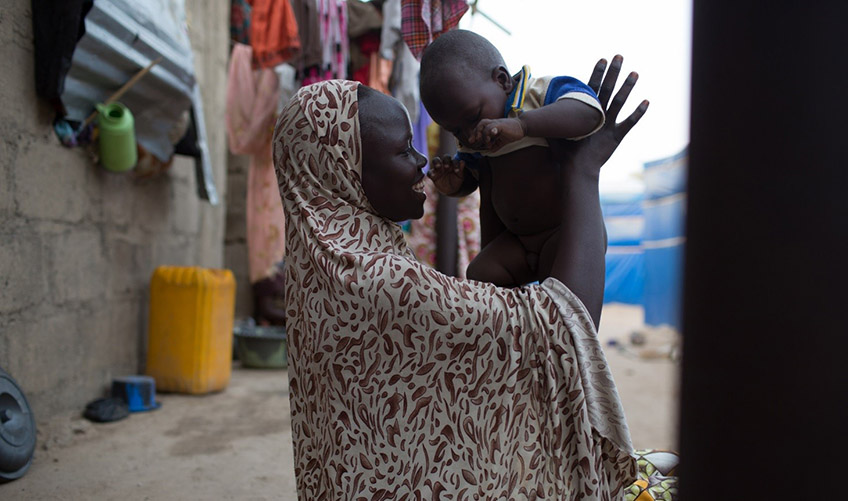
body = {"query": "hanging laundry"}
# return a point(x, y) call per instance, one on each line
point(422, 21)
point(403, 81)
point(309, 31)
point(332, 15)
point(379, 72)
point(288, 84)
point(362, 18)
point(273, 33)
point(57, 27)
point(322, 25)
point(252, 97)
point(366, 65)
point(390, 31)
point(240, 21)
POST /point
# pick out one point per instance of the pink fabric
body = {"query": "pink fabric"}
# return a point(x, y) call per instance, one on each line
point(252, 98)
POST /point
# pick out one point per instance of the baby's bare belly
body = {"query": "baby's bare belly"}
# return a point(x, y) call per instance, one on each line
point(526, 190)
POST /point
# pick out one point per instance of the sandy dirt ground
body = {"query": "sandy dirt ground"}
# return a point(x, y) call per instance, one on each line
point(236, 444)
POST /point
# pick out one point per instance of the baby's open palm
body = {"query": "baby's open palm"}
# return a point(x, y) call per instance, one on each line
point(447, 174)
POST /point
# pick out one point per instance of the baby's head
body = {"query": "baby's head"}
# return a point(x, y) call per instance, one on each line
point(463, 80)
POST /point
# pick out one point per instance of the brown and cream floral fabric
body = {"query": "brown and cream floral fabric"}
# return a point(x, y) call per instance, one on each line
point(408, 384)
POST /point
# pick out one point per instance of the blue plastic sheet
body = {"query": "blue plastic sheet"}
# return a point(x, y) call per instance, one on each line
point(625, 270)
point(625, 275)
point(664, 238)
point(646, 238)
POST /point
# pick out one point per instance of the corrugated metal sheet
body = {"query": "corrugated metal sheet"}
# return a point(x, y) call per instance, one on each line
point(122, 37)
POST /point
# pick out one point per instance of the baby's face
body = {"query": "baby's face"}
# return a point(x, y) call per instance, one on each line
point(466, 101)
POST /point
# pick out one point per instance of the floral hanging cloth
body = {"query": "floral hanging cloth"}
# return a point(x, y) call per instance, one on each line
point(332, 20)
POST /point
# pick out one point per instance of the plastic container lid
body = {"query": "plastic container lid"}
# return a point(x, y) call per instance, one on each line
point(17, 430)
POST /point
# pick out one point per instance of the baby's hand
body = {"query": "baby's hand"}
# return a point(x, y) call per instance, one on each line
point(495, 134)
point(447, 174)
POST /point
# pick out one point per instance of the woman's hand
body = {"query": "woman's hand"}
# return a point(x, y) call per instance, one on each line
point(592, 152)
point(447, 174)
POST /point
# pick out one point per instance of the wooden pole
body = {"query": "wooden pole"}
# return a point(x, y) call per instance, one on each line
point(124, 88)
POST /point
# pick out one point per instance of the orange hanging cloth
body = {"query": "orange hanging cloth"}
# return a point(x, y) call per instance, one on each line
point(273, 33)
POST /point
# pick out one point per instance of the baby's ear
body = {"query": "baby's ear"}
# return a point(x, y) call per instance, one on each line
point(503, 78)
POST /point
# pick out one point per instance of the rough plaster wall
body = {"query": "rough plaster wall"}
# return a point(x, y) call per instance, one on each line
point(78, 244)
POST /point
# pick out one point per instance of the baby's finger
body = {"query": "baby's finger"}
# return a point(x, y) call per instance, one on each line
point(435, 164)
point(491, 131)
point(480, 132)
point(458, 167)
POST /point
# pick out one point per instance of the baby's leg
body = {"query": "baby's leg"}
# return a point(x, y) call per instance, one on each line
point(503, 262)
point(547, 255)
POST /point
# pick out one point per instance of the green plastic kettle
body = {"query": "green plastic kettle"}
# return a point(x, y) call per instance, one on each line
point(118, 152)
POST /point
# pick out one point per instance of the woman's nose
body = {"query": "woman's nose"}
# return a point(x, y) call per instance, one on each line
point(422, 160)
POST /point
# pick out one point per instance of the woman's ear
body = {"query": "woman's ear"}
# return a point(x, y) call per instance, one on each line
point(503, 78)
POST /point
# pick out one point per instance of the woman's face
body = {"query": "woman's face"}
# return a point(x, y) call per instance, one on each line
point(391, 168)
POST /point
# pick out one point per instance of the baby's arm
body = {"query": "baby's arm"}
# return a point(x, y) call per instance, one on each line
point(451, 177)
point(563, 119)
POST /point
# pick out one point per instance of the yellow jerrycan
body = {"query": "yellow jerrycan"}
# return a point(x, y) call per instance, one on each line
point(190, 331)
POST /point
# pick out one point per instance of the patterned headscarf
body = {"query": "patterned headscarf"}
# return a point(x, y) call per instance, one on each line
point(406, 383)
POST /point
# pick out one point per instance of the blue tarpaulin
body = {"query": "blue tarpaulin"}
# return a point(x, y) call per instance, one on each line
point(625, 267)
point(646, 236)
point(665, 214)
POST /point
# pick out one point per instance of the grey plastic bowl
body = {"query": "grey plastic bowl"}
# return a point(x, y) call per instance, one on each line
point(261, 347)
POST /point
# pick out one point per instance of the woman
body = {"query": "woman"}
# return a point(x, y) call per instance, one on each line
point(409, 384)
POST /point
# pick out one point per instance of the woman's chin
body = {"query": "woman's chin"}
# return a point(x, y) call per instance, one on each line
point(418, 213)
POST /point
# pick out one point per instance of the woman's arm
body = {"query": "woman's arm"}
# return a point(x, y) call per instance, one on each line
point(579, 261)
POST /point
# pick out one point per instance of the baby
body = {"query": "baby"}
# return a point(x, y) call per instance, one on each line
point(503, 124)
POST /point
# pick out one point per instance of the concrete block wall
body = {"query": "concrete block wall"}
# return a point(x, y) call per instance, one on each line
point(78, 244)
point(235, 238)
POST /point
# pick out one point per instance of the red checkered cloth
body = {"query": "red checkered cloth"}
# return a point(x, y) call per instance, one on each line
point(422, 21)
